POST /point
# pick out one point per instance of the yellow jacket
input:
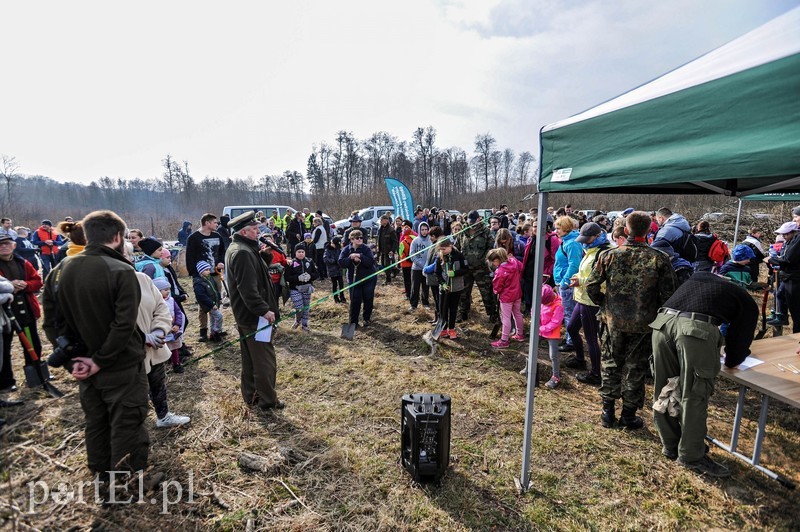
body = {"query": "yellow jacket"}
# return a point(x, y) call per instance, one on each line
point(584, 270)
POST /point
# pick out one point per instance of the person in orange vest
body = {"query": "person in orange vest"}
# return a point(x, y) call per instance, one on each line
point(48, 241)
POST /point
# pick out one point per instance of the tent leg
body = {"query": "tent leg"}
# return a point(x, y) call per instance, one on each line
point(523, 483)
point(738, 218)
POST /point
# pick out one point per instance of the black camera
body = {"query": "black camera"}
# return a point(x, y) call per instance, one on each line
point(66, 349)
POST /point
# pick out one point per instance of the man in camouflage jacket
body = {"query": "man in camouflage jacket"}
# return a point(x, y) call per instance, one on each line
point(474, 243)
point(638, 280)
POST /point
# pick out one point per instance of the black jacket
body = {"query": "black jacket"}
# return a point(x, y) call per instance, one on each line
point(296, 268)
point(387, 239)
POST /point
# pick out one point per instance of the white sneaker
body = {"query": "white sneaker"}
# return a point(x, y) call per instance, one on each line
point(172, 420)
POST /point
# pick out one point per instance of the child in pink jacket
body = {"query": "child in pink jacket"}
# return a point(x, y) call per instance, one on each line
point(507, 284)
point(552, 315)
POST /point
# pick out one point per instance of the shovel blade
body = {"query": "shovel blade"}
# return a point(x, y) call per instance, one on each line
point(33, 377)
point(437, 331)
point(348, 331)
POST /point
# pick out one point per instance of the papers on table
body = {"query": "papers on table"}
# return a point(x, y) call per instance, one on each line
point(264, 333)
point(748, 363)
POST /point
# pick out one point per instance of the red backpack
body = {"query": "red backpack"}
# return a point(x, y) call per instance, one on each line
point(719, 251)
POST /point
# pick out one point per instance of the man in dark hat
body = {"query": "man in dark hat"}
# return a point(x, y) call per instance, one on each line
point(252, 298)
point(355, 223)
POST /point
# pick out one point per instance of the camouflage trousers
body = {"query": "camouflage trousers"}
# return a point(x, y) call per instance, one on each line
point(624, 361)
point(484, 282)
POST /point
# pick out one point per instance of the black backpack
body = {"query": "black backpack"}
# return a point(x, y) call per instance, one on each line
point(686, 246)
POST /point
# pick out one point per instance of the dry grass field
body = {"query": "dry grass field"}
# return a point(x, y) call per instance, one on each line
point(336, 446)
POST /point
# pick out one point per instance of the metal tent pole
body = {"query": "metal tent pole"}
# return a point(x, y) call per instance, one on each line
point(738, 218)
point(523, 483)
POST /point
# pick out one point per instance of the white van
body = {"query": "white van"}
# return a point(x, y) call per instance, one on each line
point(370, 217)
point(235, 210)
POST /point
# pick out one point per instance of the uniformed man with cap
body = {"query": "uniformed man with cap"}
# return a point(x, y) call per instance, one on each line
point(252, 297)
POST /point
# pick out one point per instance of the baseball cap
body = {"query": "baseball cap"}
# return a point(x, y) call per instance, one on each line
point(787, 227)
point(588, 231)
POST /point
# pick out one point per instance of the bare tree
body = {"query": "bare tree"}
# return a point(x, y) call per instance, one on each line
point(483, 147)
point(524, 162)
point(508, 166)
point(8, 172)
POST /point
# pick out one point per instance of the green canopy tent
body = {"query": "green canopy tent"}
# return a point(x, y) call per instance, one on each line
point(727, 123)
point(769, 196)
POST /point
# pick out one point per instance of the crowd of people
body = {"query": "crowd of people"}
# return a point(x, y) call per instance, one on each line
point(650, 293)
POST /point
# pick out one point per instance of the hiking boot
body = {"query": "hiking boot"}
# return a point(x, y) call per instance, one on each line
point(204, 335)
point(495, 331)
point(177, 368)
point(566, 348)
point(589, 378)
point(172, 420)
point(707, 466)
point(500, 344)
point(629, 420)
point(607, 418)
point(214, 338)
point(575, 363)
point(519, 337)
point(553, 382)
point(780, 320)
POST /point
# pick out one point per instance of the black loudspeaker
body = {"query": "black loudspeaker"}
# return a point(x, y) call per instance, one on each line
point(425, 435)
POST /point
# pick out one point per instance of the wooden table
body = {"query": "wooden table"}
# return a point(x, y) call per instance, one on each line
point(770, 381)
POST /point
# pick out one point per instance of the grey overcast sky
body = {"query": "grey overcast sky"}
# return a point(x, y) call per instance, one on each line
point(94, 89)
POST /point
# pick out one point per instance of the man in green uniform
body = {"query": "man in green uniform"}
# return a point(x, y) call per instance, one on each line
point(474, 244)
point(638, 281)
point(686, 345)
point(252, 297)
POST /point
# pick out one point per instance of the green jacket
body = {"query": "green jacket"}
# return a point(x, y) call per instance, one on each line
point(249, 284)
point(638, 280)
point(97, 296)
point(474, 247)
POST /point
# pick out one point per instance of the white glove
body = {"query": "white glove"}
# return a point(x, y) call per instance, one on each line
point(155, 339)
point(6, 298)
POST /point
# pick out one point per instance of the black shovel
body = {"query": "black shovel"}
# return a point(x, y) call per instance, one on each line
point(35, 372)
point(437, 331)
point(349, 329)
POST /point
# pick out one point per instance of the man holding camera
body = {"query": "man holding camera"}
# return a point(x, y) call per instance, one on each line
point(93, 299)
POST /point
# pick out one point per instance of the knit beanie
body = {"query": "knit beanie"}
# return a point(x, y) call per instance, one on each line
point(161, 283)
point(547, 294)
point(202, 266)
point(300, 246)
point(306, 236)
point(149, 245)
